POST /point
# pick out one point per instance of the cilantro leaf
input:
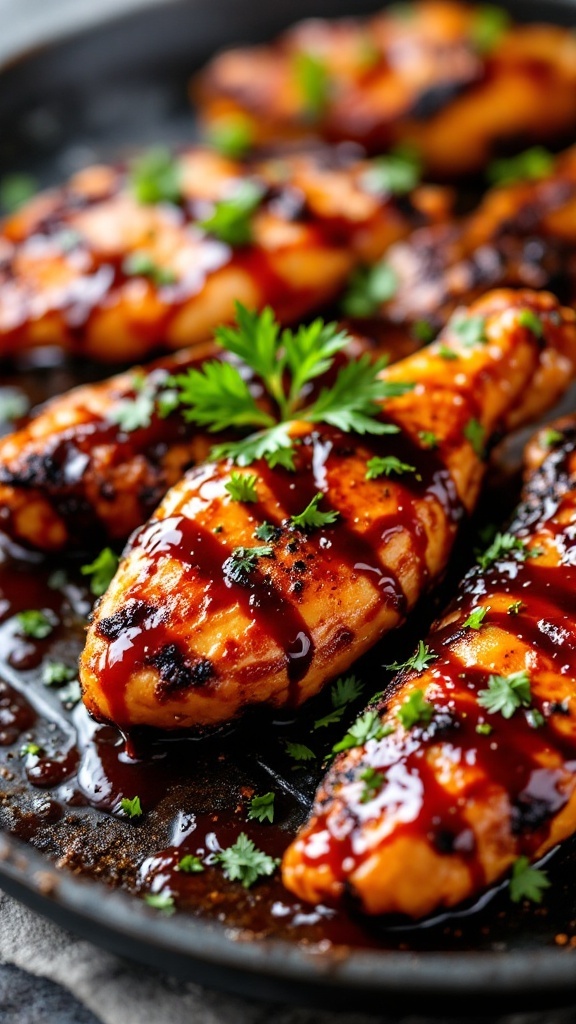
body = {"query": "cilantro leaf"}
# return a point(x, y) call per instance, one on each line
point(502, 545)
point(489, 24)
point(35, 624)
point(515, 608)
point(446, 353)
point(245, 863)
point(133, 413)
point(102, 570)
point(484, 728)
point(156, 177)
point(428, 438)
point(232, 136)
point(527, 883)
point(418, 661)
point(385, 466)
point(331, 718)
point(217, 397)
point(30, 749)
point(367, 727)
point(505, 694)
point(242, 487)
point(551, 437)
point(470, 330)
point(299, 751)
point(163, 901)
point(424, 331)
point(531, 321)
point(474, 433)
point(267, 532)
point(311, 518)
point(56, 672)
point(190, 864)
point(531, 165)
point(243, 561)
point(262, 807)
point(141, 264)
point(345, 691)
point(415, 710)
point(231, 218)
point(131, 806)
point(476, 618)
point(396, 173)
point(351, 404)
point(15, 190)
point(373, 781)
point(312, 82)
point(368, 289)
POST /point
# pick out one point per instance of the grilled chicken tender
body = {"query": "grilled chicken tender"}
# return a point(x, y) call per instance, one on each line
point(205, 616)
point(454, 80)
point(521, 235)
point(92, 268)
point(444, 805)
point(92, 465)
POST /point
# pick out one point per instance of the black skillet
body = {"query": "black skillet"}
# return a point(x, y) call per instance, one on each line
point(96, 95)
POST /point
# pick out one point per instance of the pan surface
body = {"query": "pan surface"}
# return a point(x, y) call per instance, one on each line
point(67, 850)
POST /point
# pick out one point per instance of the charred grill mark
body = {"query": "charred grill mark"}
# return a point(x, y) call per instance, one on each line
point(178, 671)
point(132, 615)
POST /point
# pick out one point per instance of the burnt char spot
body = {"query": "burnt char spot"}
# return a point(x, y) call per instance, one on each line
point(179, 672)
point(132, 615)
point(434, 99)
point(528, 815)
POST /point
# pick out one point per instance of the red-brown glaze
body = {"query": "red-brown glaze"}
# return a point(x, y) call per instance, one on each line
point(411, 74)
point(63, 280)
point(456, 808)
point(178, 642)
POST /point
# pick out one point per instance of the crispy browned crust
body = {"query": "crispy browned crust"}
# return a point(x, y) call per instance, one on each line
point(180, 639)
point(415, 76)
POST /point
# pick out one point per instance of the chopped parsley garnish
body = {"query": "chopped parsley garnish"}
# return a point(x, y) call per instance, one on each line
point(531, 165)
point(13, 405)
point(102, 570)
point(15, 190)
point(428, 438)
point(394, 174)
point(502, 545)
point(415, 710)
point(131, 806)
point(476, 618)
point(367, 727)
point(231, 218)
point(484, 728)
point(470, 330)
point(133, 413)
point(31, 749)
point(418, 661)
point(488, 26)
point(385, 466)
point(529, 319)
point(515, 608)
point(330, 719)
point(343, 692)
point(262, 808)
point(527, 883)
point(535, 718)
point(423, 331)
point(141, 264)
point(232, 136)
point(242, 487)
point(311, 518)
point(217, 396)
point(243, 561)
point(505, 694)
point(190, 864)
point(313, 84)
point(474, 433)
point(54, 673)
point(373, 781)
point(163, 901)
point(447, 353)
point(156, 177)
point(551, 437)
point(368, 289)
point(299, 751)
point(35, 624)
point(245, 863)
point(267, 532)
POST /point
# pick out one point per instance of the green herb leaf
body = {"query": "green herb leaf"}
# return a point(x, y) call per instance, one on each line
point(504, 544)
point(527, 883)
point(15, 190)
point(551, 437)
point(141, 264)
point(397, 173)
point(345, 691)
point(243, 561)
point(373, 781)
point(531, 321)
point(313, 84)
point(35, 624)
point(163, 901)
point(30, 749)
point(352, 403)
point(156, 177)
point(515, 608)
point(447, 353)
point(489, 24)
point(232, 136)
point(415, 710)
point(484, 728)
point(531, 165)
point(367, 727)
point(535, 718)
point(133, 413)
point(505, 694)
point(311, 518)
point(423, 331)
point(331, 718)
point(245, 863)
point(267, 532)
point(418, 661)
point(70, 695)
point(231, 218)
point(476, 618)
point(262, 808)
point(299, 751)
point(385, 466)
point(242, 487)
point(102, 570)
point(428, 438)
point(190, 864)
point(54, 673)
point(474, 433)
point(218, 398)
point(13, 405)
point(368, 289)
point(470, 330)
point(131, 806)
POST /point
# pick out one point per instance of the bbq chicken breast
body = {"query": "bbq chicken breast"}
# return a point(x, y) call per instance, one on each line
point(455, 81)
point(469, 770)
point(122, 261)
point(236, 593)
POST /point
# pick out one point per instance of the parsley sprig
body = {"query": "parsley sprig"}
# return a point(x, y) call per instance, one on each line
point(218, 397)
point(418, 661)
point(505, 694)
point(244, 862)
point(527, 883)
point(101, 570)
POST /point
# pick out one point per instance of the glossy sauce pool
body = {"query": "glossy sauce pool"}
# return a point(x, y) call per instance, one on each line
point(195, 791)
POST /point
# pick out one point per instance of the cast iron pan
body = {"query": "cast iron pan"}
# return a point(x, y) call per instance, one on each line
point(67, 850)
